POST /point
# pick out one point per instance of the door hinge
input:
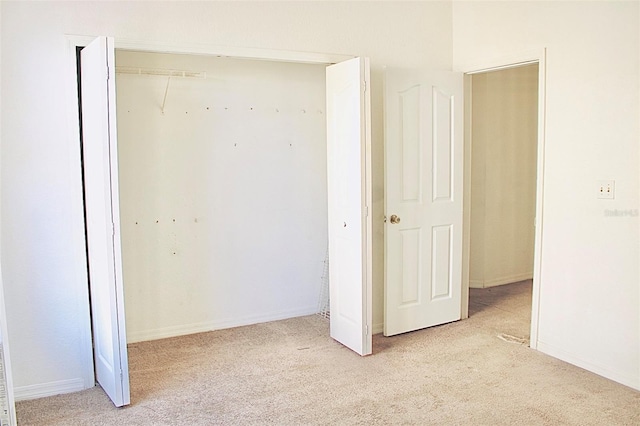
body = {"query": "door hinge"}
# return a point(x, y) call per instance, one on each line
point(113, 229)
point(366, 330)
point(364, 85)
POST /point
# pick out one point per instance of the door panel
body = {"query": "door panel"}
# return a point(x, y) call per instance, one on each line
point(423, 192)
point(349, 195)
point(442, 285)
point(103, 220)
point(442, 144)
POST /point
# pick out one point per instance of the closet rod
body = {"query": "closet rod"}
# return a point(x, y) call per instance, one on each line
point(166, 92)
point(161, 72)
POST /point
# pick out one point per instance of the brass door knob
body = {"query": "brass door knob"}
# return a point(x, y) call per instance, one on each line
point(394, 219)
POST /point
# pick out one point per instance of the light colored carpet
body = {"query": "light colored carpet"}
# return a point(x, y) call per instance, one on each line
point(472, 372)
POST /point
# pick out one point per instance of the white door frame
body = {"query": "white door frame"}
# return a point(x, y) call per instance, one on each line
point(6, 363)
point(75, 41)
point(517, 60)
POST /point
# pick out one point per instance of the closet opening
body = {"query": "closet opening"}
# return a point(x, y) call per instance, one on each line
point(223, 191)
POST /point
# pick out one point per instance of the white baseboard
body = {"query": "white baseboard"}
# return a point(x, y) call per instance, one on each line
point(501, 280)
point(631, 380)
point(24, 393)
point(184, 329)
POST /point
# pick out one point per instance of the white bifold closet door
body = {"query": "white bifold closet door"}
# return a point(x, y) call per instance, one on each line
point(423, 193)
point(100, 158)
point(349, 201)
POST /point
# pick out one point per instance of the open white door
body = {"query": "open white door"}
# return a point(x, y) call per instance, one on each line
point(100, 158)
point(423, 192)
point(349, 198)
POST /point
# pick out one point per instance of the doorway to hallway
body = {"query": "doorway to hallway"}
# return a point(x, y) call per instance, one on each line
point(503, 169)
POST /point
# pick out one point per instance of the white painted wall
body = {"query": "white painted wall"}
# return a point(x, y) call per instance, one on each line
point(223, 196)
point(43, 255)
point(503, 175)
point(589, 296)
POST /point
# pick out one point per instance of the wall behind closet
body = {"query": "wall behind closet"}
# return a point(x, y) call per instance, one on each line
point(223, 192)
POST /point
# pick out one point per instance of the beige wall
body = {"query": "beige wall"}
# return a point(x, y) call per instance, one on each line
point(503, 175)
point(589, 300)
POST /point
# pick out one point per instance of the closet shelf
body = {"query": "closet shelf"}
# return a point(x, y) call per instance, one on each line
point(161, 72)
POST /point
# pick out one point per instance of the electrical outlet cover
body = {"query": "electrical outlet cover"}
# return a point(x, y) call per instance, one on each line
point(606, 189)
